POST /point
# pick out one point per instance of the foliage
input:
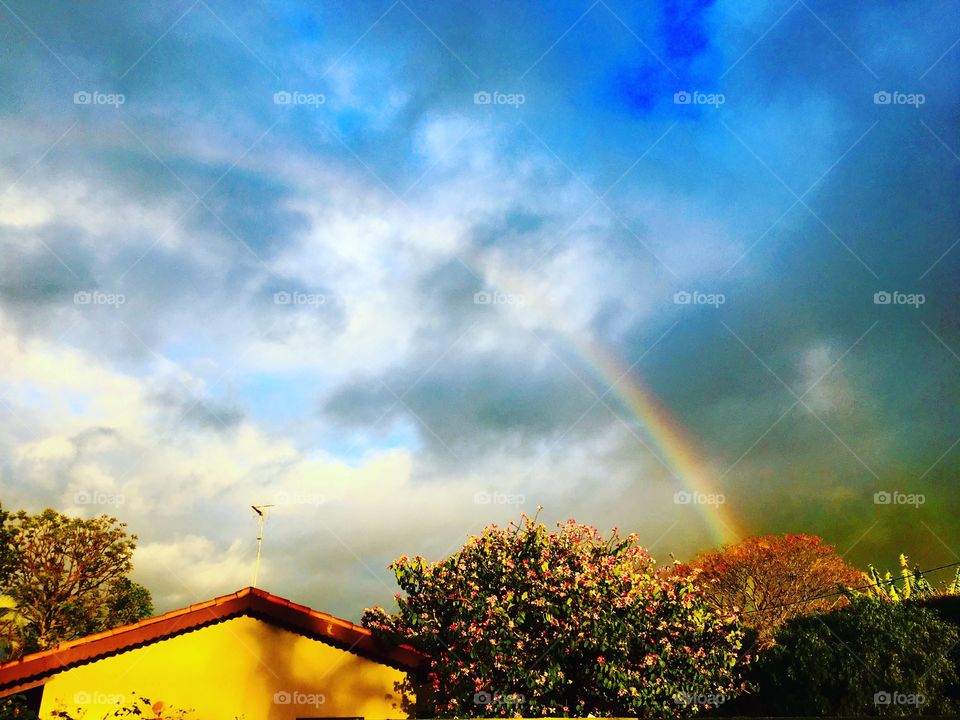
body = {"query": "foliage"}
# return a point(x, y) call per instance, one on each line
point(16, 708)
point(871, 657)
point(953, 587)
point(524, 621)
point(12, 624)
point(68, 578)
point(138, 707)
point(126, 602)
point(7, 555)
point(910, 585)
point(765, 579)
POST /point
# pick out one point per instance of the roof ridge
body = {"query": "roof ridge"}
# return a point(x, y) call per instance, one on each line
point(306, 609)
point(249, 600)
point(119, 629)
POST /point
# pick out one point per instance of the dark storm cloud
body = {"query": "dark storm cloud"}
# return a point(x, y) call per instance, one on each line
point(472, 402)
point(92, 438)
point(40, 267)
point(205, 413)
point(515, 226)
point(251, 208)
point(213, 199)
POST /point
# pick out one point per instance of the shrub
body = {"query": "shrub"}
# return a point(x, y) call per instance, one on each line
point(16, 707)
point(871, 657)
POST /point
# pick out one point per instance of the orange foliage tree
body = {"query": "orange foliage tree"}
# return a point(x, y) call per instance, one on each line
point(768, 579)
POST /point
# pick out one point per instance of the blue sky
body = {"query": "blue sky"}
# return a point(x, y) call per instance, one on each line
point(240, 247)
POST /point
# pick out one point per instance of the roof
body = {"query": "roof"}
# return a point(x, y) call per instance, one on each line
point(33, 670)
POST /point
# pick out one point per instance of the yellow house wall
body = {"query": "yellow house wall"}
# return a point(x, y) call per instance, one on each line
point(240, 668)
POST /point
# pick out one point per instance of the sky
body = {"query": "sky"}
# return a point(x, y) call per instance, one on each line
point(402, 269)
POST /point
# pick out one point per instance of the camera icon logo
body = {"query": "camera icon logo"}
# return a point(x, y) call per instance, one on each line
point(882, 98)
point(82, 498)
point(482, 698)
point(682, 98)
point(682, 497)
point(882, 698)
point(82, 97)
point(282, 97)
point(882, 498)
point(281, 298)
point(482, 98)
point(882, 298)
point(282, 697)
point(482, 298)
point(682, 297)
point(81, 297)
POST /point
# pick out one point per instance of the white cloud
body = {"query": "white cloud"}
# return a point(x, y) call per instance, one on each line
point(95, 427)
point(192, 569)
point(827, 386)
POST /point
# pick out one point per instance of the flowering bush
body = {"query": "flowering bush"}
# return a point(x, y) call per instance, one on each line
point(524, 621)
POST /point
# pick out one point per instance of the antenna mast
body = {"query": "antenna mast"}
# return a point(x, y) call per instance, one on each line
point(260, 510)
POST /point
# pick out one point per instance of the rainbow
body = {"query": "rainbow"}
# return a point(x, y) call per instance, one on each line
point(676, 449)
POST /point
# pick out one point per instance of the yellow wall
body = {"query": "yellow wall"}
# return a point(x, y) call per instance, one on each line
point(234, 670)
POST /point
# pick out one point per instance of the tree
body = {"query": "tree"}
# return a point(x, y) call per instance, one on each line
point(767, 580)
point(522, 620)
point(12, 623)
point(126, 602)
point(68, 577)
point(872, 657)
point(11, 619)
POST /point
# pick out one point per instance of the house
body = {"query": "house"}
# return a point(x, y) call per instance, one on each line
point(246, 655)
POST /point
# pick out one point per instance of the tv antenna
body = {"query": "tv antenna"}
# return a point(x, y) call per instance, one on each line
point(260, 510)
